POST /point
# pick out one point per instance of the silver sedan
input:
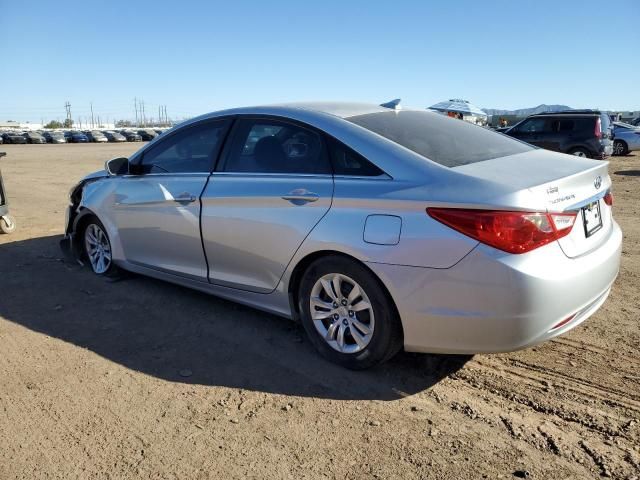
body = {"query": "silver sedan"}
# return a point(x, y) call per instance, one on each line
point(379, 228)
point(627, 138)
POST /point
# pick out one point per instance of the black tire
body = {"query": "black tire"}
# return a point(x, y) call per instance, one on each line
point(579, 152)
point(385, 340)
point(89, 224)
point(620, 147)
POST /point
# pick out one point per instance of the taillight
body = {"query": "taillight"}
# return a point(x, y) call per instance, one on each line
point(608, 198)
point(598, 129)
point(513, 232)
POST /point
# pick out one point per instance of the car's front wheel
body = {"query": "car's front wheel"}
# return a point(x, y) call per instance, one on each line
point(97, 248)
point(347, 314)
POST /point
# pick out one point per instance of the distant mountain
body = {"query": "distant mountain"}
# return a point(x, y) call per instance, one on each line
point(524, 112)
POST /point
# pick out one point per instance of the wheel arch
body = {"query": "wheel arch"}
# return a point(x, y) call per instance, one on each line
point(304, 263)
point(82, 217)
point(588, 151)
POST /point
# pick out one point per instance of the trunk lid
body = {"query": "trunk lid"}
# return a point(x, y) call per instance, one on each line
point(557, 183)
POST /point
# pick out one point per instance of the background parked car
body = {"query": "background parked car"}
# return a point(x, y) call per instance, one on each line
point(57, 137)
point(585, 133)
point(96, 136)
point(13, 137)
point(627, 138)
point(114, 136)
point(79, 137)
point(635, 122)
point(147, 134)
point(131, 136)
point(34, 137)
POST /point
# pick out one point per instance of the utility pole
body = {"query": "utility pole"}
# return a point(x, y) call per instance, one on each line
point(67, 107)
point(92, 121)
point(135, 104)
point(144, 118)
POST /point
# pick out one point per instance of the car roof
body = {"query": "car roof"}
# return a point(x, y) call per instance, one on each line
point(568, 112)
point(293, 110)
point(338, 109)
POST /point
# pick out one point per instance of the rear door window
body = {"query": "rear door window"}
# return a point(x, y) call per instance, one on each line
point(564, 125)
point(274, 146)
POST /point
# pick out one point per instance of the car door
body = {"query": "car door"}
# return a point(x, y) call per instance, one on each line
point(273, 184)
point(157, 208)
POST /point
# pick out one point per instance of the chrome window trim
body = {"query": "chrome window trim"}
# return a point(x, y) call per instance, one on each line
point(167, 174)
point(271, 174)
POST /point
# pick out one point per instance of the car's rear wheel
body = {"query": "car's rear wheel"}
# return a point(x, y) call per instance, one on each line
point(620, 148)
point(347, 314)
point(579, 152)
point(97, 248)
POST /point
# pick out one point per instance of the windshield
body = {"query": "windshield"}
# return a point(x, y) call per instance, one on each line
point(447, 141)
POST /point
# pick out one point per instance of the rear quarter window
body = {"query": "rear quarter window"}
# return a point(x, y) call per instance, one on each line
point(446, 141)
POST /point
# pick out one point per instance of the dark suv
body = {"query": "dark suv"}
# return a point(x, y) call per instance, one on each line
point(585, 133)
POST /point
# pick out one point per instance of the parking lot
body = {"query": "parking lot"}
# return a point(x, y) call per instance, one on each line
point(136, 377)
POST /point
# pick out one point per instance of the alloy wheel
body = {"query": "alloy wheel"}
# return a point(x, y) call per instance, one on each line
point(98, 248)
point(579, 153)
point(342, 313)
point(618, 148)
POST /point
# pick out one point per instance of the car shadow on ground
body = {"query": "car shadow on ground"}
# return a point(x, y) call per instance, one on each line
point(181, 335)
point(628, 173)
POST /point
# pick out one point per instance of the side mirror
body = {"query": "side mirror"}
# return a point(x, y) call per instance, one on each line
point(117, 166)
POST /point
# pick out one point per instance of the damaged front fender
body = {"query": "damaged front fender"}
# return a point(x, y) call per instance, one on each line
point(70, 244)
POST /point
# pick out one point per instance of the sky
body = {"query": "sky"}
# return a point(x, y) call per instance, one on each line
point(200, 56)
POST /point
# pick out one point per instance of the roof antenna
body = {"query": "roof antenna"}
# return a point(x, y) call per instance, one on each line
point(393, 104)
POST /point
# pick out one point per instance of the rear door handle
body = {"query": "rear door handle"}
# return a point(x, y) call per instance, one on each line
point(185, 198)
point(300, 196)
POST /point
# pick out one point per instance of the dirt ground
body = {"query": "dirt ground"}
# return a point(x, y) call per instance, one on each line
point(142, 379)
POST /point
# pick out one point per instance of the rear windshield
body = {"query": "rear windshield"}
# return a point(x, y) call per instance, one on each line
point(447, 141)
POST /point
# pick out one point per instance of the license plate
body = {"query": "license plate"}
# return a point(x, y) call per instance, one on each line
point(591, 218)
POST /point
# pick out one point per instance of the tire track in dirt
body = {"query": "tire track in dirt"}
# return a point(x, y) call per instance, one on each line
point(524, 408)
point(530, 388)
point(623, 398)
point(633, 363)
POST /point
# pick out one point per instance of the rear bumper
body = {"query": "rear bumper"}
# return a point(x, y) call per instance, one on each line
point(605, 151)
point(491, 301)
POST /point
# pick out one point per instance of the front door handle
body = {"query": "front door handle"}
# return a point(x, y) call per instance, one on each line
point(300, 196)
point(185, 198)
